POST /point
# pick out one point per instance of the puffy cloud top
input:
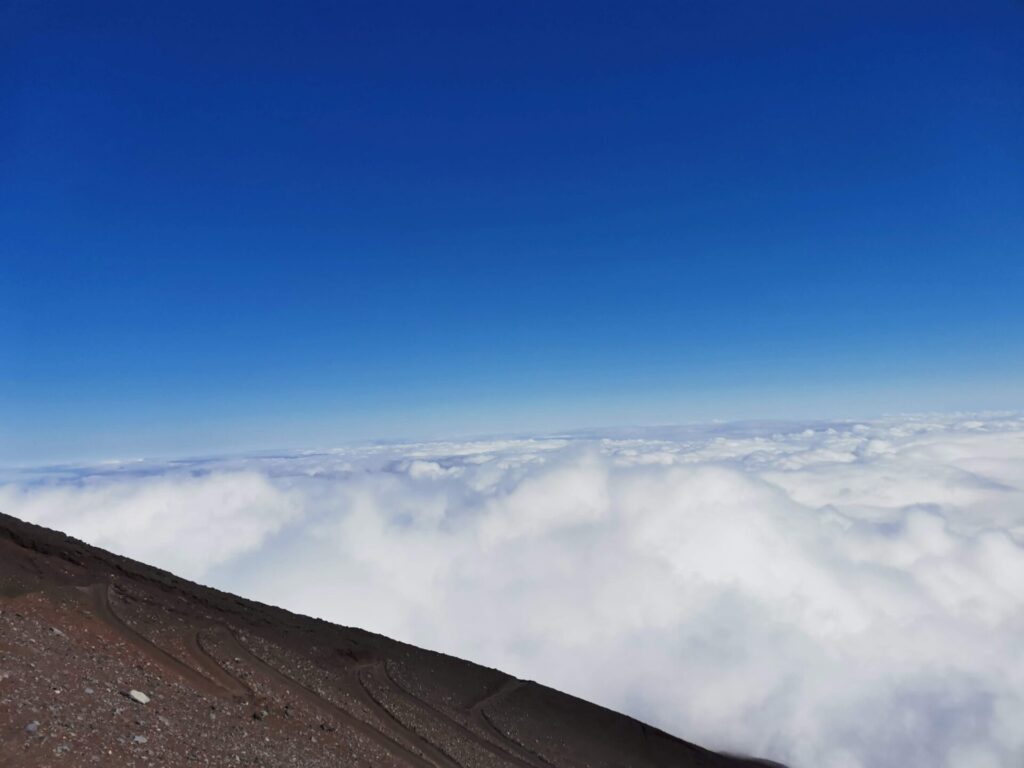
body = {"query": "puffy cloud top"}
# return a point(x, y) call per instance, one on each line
point(829, 595)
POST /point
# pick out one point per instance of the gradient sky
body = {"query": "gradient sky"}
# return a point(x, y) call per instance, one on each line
point(298, 224)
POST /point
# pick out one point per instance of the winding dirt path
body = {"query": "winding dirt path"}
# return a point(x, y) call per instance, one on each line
point(98, 596)
point(504, 748)
point(390, 734)
point(213, 679)
point(478, 713)
point(314, 700)
point(213, 669)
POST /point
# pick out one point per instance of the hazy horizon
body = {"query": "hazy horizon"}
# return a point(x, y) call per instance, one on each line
point(811, 586)
point(298, 226)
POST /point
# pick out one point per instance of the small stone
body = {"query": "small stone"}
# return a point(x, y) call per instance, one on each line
point(56, 631)
point(32, 727)
point(139, 739)
point(138, 696)
point(260, 714)
point(89, 691)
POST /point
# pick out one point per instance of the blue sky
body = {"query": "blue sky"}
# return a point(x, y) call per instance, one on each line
point(300, 224)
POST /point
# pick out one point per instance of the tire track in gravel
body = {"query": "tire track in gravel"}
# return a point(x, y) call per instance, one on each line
point(213, 668)
point(99, 600)
point(401, 746)
point(360, 690)
point(478, 713)
point(506, 749)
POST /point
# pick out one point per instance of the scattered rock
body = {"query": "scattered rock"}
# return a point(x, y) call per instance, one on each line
point(138, 696)
point(91, 658)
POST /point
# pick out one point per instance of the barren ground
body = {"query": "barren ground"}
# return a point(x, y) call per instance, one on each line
point(232, 682)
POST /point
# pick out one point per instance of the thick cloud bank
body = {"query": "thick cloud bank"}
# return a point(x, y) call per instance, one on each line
point(829, 595)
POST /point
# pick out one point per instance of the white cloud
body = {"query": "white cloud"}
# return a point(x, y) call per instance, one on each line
point(181, 521)
point(828, 595)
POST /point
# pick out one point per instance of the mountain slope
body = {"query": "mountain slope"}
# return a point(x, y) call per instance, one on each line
point(107, 661)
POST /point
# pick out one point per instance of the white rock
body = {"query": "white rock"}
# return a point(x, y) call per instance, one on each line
point(138, 696)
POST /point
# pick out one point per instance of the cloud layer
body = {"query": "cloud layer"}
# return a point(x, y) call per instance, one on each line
point(828, 595)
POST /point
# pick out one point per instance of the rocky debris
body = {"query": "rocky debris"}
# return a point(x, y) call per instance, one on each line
point(235, 683)
point(138, 696)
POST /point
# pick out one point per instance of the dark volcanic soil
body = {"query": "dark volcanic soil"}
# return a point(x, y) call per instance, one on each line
point(231, 682)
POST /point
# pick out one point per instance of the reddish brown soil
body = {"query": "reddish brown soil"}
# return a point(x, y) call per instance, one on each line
point(236, 683)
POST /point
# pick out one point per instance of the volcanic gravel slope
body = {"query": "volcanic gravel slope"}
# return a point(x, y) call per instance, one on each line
point(232, 682)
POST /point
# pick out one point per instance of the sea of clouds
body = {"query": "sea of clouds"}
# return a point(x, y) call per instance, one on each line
point(830, 595)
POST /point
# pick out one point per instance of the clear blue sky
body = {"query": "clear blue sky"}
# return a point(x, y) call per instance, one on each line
point(297, 224)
